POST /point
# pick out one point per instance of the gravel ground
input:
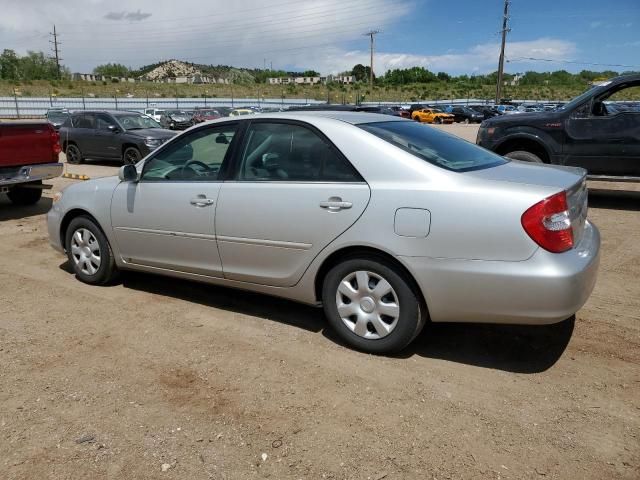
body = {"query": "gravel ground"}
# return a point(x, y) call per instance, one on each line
point(161, 378)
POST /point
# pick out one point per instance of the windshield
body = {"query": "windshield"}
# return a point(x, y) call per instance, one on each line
point(178, 113)
point(434, 146)
point(132, 121)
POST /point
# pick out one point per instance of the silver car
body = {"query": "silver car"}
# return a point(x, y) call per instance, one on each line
point(385, 222)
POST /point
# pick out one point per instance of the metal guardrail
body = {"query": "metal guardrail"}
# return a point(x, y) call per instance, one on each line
point(29, 107)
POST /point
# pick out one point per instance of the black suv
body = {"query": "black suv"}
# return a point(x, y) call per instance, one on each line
point(111, 135)
point(598, 130)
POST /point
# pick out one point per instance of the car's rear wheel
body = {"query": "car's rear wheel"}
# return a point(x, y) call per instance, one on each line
point(438, 120)
point(73, 153)
point(89, 252)
point(25, 195)
point(131, 156)
point(524, 156)
point(372, 305)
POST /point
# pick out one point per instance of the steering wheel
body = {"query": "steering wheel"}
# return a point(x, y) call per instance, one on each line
point(190, 163)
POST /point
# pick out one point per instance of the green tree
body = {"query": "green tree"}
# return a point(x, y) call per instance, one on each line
point(360, 72)
point(112, 70)
point(310, 73)
point(9, 65)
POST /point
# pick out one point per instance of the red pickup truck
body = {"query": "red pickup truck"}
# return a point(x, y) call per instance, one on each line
point(28, 155)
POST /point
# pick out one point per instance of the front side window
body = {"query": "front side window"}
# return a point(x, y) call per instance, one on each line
point(103, 122)
point(196, 157)
point(434, 146)
point(287, 152)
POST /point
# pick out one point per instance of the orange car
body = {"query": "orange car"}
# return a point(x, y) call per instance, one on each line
point(431, 115)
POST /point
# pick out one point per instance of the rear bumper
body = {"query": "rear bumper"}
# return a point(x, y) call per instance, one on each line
point(29, 173)
point(546, 288)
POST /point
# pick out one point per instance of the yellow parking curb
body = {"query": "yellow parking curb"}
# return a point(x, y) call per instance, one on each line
point(75, 176)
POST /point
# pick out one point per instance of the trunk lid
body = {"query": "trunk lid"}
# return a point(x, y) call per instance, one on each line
point(572, 180)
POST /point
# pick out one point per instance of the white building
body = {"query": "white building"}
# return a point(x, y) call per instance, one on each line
point(344, 79)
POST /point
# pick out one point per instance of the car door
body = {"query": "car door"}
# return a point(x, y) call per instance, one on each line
point(83, 133)
point(604, 138)
point(106, 140)
point(291, 193)
point(166, 219)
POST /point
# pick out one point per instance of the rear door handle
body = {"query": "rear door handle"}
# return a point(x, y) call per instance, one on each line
point(201, 201)
point(334, 204)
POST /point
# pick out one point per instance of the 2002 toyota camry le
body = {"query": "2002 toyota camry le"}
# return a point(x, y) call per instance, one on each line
point(385, 222)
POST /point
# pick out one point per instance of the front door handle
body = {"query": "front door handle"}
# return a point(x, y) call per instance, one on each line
point(335, 204)
point(201, 201)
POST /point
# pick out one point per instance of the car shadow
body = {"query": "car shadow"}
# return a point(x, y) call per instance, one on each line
point(9, 211)
point(512, 348)
point(103, 163)
point(614, 199)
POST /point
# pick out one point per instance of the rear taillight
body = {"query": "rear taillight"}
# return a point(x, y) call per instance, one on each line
point(548, 223)
point(55, 144)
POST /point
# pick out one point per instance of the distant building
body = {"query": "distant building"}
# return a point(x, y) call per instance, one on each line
point(345, 79)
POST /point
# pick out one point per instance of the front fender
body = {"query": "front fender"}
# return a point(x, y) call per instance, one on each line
point(550, 145)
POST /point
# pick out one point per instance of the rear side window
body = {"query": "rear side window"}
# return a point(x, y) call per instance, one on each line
point(434, 146)
point(293, 153)
point(84, 120)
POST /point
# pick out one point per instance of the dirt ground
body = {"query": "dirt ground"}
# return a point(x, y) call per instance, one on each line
point(160, 378)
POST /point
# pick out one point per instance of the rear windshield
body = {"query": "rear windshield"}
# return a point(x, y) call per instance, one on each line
point(434, 146)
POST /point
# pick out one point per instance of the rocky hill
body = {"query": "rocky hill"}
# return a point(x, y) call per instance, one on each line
point(172, 68)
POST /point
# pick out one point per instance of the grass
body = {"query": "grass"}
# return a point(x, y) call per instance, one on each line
point(335, 94)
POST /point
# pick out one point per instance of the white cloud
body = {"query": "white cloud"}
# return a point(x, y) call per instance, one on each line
point(241, 33)
point(480, 58)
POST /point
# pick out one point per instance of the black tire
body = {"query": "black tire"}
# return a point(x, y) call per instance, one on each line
point(524, 156)
point(417, 118)
point(106, 271)
point(131, 156)
point(438, 120)
point(466, 121)
point(73, 153)
point(25, 196)
point(411, 317)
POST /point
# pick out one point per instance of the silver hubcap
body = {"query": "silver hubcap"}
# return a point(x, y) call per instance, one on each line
point(367, 305)
point(85, 251)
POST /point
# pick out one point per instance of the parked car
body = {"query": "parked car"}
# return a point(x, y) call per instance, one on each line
point(237, 112)
point(387, 223)
point(29, 152)
point(200, 115)
point(583, 133)
point(486, 111)
point(176, 120)
point(507, 109)
point(464, 114)
point(431, 115)
point(111, 135)
point(57, 116)
point(154, 113)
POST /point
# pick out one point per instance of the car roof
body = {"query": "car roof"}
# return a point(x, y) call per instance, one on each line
point(110, 112)
point(353, 118)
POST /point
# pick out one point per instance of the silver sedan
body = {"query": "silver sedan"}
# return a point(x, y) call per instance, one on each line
point(385, 222)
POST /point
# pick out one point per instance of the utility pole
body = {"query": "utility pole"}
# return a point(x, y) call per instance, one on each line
point(370, 34)
point(505, 29)
point(56, 44)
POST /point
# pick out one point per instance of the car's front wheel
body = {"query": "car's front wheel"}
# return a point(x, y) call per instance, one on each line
point(438, 120)
point(524, 156)
point(89, 252)
point(372, 306)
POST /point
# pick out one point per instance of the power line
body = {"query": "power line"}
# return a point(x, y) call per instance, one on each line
point(55, 51)
point(505, 29)
point(574, 62)
point(370, 34)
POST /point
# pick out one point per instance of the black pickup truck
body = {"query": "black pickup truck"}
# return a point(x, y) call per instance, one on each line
point(596, 130)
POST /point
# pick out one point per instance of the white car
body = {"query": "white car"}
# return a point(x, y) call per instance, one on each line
point(154, 113)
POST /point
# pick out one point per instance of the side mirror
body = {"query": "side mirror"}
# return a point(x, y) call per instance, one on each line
point(128, 173)
point(113, 129)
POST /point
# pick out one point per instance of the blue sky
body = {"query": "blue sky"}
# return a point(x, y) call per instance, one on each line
point(455, 36)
